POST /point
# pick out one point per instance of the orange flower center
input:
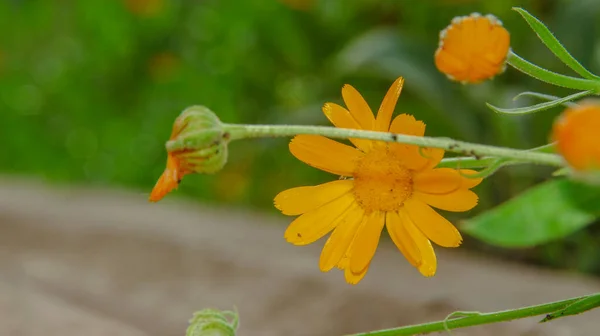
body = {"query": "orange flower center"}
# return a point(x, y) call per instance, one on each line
point(382, 181)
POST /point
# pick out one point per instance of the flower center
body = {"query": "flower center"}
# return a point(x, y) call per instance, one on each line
point(382, 181)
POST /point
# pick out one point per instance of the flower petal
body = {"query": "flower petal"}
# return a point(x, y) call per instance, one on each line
point(354, 278)
point(428, 264)
point(468, 182)
point(341, 118)
point(313, 225)
point(169, 179)
point(325, 154)
point(366, 241)
point(458, 201)
point(344, 264)
point(435, 227)
point(407, 124)
point(434, 157)
point(386, 110)
point(358, 107)
point(437, 181)
point(296, 201)
point(418, 158)
point(338, 243)
point(403, 239)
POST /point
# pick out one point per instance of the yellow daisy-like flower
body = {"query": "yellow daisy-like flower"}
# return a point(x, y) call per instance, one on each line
point(384, 184)
point(473, 48)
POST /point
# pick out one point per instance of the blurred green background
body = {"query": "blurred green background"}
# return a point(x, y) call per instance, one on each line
point(89, 89)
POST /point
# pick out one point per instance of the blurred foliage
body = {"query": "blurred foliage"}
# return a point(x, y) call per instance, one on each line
point(89, 89)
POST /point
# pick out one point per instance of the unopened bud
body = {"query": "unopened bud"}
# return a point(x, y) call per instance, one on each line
point(198, 144)
point(211, 322)
point(577, 134)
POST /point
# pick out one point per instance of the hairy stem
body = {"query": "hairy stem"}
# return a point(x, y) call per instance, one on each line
point(477, 151)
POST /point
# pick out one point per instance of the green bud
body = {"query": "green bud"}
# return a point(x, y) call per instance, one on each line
point(199, 141)
point(211, 322)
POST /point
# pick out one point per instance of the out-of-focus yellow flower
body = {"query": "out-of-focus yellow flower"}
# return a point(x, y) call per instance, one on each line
point(577, 133)
point(473, 48)
point(232, 184)
point(145, 8)
point(389, 184)
point(163, 66)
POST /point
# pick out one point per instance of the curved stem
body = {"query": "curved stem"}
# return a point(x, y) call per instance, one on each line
point(551, 77)
point(477, 151)
point(475, 319)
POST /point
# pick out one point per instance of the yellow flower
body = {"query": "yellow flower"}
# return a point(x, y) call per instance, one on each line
point(389, 184)
point(473, 48)
point(577, 133)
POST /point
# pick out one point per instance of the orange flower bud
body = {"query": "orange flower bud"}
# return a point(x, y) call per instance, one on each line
point(198, 144)
point(473, 48)
point(577, 133)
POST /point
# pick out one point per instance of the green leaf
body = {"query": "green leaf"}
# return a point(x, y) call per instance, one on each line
point(554, 45)
point(539, 107)
point(550, 77)
point(542, 96)
point(544, 213)
point(547, 148)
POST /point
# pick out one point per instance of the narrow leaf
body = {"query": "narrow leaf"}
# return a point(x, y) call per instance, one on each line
point(544, 213)
point(542, 96)
point(550, 77)
point(541, 106)
point(554, 45)
point(547, 148)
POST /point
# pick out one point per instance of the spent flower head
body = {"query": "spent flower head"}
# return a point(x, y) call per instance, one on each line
point(198, 144)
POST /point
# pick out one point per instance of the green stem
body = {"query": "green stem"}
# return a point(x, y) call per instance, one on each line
point(466, 162)
point(475, 319)
point(551, 77)
point(471, 162)
point(478, 151)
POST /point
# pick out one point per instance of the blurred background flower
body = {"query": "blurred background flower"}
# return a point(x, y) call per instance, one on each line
point(145, 8)
point(89, 89)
